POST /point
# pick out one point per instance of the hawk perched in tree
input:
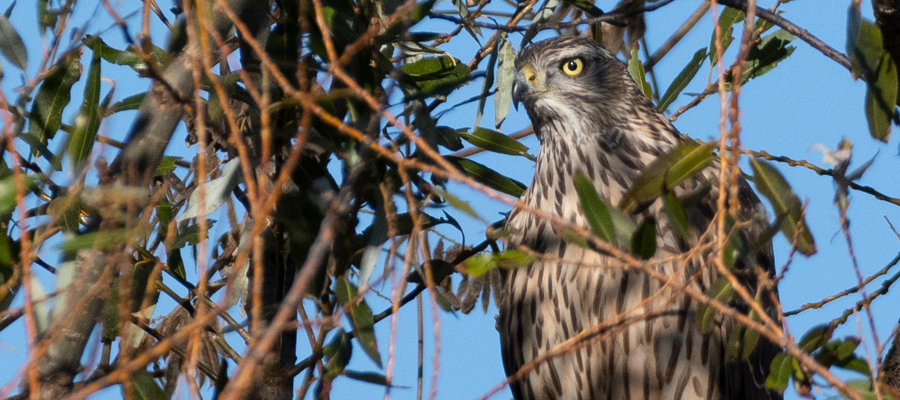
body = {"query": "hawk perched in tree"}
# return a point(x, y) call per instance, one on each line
point(592, 119)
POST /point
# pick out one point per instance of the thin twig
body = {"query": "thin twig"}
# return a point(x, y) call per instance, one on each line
point(854, 289)
point(462, 256)
point(885, 286)
point(825, 172)
point(677, 35)
point(608, 18)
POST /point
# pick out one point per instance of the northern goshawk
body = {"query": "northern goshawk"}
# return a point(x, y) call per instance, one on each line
point(592, 119)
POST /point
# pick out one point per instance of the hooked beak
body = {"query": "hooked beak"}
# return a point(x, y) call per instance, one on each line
point(524, 85)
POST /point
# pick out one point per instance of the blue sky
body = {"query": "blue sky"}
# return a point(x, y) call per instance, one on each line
point(807, 99)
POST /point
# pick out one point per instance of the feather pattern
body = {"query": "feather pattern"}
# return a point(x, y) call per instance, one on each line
point(639, 336)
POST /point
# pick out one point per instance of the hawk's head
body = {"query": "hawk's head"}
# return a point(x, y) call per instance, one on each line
point(572, 78)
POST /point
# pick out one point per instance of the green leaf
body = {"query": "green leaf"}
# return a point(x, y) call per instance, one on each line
point(422, 10)
point(8, 192)
point(866, 389)
point(216, 191)
point(597, 32)
point(785, 203)
point(11, 44)
point(865, 46)
point(676, 215)
point(842, 349)
point(643, 243)
point(734, 348)
point(176, 264)
point(165, 214)
point(448, 137)
point(488, 177)
point(456, 203)
point(570, 236)
point(424, 124)
point(338, 352)
point(666, 172)
point(727, 19)
point(121, 57)
point(506, 74)
point(496, 142)
point(144, 387)
point(482, 263)
point(190, 235)
point(856, 364)
point(368, 377)
point(815, 338)
point(9, 254)
point(140, 279)
point(720, 290)
point(167, 165)
point(625, 226)
point(361, 316)
point(636, 69)
point(750, 340)
point(541, 15)
point(840, 353)
point(87, 123)
point(681, 81)
point(461, 8)
point(869, 59)
point(766, 55)
point(736, 254)
point(46, 18)
point(128, 103)
point(881, 96)
point(53, 97)
point(66, 211)
point(41, 149)
point(488, 77)
point(433, 76)
point(742, 341)
point(780, 372)
point(596, 211)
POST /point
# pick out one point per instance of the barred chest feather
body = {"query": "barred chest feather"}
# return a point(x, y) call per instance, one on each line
point(595, 329)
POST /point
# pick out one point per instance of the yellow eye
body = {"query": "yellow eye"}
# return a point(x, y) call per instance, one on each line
point(573, 67)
